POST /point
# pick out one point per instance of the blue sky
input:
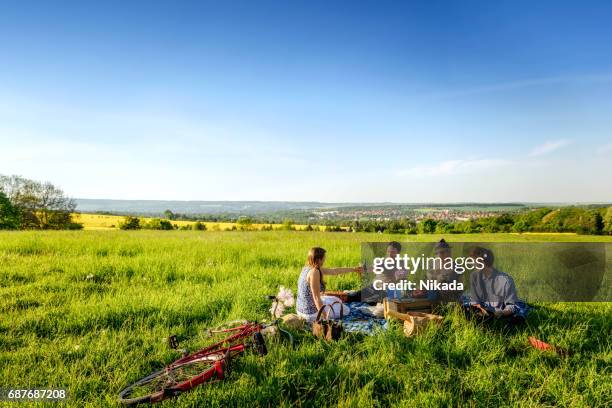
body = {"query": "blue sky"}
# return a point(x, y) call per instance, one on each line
point(329, 101)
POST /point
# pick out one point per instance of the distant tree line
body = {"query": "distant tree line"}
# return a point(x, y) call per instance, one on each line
point(581, 220)
point(29, 204)
point(135, 223)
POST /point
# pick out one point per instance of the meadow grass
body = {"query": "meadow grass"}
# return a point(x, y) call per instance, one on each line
point(91, 311)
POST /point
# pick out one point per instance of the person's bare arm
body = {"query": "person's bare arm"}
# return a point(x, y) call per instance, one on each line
point(340, 271)
point(315, 287)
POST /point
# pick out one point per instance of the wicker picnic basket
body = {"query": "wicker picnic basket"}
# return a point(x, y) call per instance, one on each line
point(414, 322)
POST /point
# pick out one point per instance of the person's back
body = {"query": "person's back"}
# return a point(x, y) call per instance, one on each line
point(305, 300)
point(311, 287)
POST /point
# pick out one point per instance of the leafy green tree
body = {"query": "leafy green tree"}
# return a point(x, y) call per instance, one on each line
point(599, 224)
point(504, 222)
point(9, 215)
point(40, 205)
point(427, 226)
point(444, 227)
point(169, 215)
point(607, 221)
point(520, 226)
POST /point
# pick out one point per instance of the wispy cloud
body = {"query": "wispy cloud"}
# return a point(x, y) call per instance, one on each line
point(524, 83)
point(452, 167)
point(548, 147)
point(605, 149)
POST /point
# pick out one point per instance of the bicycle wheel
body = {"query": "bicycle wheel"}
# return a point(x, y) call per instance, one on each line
point(173, 380)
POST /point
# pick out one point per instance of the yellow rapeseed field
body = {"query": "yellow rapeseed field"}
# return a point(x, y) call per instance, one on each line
point(103, 222)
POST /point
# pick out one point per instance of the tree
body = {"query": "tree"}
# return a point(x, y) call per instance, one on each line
point(198, 226)
point(444, 227)
point(130, 223)
point(245, 223)
point(607, 221)
point(288, 225)
point(158, 224)
point(599, 224)
point(9, 215)
point(40, 205)
point(520, 226)
point(427, 226)
point(169, 215)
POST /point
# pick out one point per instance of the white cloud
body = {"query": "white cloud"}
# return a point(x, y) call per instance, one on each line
point(525, 83)
point(452, 167)
point(548, 147)
point(605, 149)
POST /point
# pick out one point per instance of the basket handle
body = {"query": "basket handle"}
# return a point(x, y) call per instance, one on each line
point(321, 311)
point(341, 309)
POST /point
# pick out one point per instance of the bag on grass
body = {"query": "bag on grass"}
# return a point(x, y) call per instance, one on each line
point(328, 329)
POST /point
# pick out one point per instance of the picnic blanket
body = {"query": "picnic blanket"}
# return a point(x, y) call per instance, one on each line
point(361, 320)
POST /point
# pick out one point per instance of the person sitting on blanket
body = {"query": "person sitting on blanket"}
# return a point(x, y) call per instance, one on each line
point(311, 285)
point(393, 275)
point(492, 292)
point(442, 274)
point(371, 295)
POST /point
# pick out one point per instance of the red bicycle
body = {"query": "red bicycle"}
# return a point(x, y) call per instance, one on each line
point(209, 364)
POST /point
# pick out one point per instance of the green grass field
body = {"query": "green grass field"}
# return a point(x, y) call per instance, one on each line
point(91, 311)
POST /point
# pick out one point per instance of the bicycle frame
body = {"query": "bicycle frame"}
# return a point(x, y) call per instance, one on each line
point(217, 356)
point(245, 331)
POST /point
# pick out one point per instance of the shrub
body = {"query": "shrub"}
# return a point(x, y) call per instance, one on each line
point(245, 223)
point(158, 224)
point(287, 225)
point(198, 226)
point(130, 223)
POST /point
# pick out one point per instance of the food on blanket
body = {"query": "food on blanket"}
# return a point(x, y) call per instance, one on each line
point(293, 321)
point(378, 310)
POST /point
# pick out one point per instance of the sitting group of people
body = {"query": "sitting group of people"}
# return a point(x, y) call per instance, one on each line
point(492, 293)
